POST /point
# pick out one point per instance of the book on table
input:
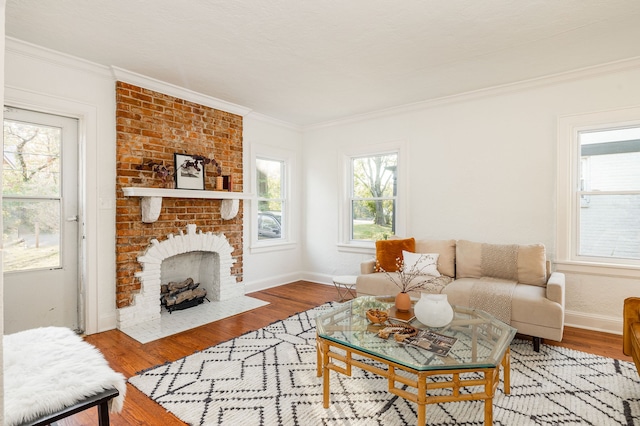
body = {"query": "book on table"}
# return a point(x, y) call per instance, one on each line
point(432, 341)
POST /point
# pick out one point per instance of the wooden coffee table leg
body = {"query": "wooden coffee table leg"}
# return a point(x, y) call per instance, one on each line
point(506, 365)
point(318, 358)
point(422, 399)
point(325, 373)
point(489, 377)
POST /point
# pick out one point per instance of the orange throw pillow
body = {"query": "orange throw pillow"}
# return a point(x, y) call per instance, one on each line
point(388, 251)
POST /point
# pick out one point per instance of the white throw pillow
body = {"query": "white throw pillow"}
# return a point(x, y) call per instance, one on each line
point(425, 263)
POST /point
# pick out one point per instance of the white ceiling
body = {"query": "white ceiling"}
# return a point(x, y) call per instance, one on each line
point(307, 62)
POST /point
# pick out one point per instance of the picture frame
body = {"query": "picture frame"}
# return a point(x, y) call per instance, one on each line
point(189, 172)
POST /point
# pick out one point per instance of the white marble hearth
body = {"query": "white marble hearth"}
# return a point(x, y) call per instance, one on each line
point(180, 321)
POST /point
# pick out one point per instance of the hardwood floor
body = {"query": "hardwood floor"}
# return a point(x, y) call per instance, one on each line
point(128, 356)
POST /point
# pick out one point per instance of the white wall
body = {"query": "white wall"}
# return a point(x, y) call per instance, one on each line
point(263, 269)
point(482, 167)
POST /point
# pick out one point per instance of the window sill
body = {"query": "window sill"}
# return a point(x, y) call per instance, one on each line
point(272, 246)
point(593, 268)
point(362, 248)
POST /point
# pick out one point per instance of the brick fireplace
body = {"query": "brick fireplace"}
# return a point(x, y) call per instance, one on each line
point(210, 264)
point(152, 127)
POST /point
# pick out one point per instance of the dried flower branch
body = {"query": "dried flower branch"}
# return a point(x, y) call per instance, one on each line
point(159, 168)
point(196, 162)
point(408, 280)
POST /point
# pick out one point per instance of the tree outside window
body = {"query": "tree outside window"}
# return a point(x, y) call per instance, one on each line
point(373, 196)
point(31, 196)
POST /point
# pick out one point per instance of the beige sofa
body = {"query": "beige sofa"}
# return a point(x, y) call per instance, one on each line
point(512, 282)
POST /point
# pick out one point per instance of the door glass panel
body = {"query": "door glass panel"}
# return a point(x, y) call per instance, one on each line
point(31, 234)
point(31, 194)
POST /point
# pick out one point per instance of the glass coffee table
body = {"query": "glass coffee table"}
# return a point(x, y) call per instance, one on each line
point(346, 339)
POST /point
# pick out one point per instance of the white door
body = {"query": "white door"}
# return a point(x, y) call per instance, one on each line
point(40, 220)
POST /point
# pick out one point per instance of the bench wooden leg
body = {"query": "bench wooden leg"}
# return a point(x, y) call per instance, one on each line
point(103, 413)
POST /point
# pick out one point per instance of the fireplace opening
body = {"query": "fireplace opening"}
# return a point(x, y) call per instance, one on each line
point(176, 296)
point(203, 270)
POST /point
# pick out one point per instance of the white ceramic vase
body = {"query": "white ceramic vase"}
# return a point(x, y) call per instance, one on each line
point(433, 310)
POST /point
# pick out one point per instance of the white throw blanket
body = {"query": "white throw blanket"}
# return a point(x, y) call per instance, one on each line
point(494, 297)
point(50, 368)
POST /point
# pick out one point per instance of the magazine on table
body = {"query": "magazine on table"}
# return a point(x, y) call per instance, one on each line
point(436, 343)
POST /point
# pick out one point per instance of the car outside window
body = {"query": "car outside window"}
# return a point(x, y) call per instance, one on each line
point(271, 201)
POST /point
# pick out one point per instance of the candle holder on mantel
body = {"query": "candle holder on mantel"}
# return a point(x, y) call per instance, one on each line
point(220, 183)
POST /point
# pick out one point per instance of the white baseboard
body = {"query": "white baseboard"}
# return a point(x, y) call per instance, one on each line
point(317, 278)
point(252, 286)
point(593, 322)
point(105, 323)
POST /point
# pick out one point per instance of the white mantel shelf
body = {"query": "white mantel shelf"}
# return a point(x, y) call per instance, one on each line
point(151, 200)
point(137, 191)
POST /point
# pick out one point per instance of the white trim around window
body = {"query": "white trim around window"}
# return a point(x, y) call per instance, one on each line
point(288, 240)
point(345, 244)
point(568, 187)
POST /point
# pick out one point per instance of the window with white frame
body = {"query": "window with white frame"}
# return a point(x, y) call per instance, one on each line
point(609, 208)
point(372, 196)
point(599, 188)
point(270, 184)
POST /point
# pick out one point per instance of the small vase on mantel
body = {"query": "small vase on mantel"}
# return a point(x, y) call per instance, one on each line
point(433, 310)
point(403, 302)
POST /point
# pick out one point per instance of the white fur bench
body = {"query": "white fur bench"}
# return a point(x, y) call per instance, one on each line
point(51, 373)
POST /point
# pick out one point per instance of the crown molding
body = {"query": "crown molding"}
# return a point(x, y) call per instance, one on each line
point(33, 51)
point(548, 80)
point(274, 121)
point(140, 80)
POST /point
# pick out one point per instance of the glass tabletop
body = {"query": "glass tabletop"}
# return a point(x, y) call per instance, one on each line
point(474, 339)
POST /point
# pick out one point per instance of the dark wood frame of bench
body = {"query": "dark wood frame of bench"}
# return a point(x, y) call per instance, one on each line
point(100, 399)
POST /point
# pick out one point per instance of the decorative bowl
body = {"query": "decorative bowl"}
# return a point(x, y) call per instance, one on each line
point(377, 316)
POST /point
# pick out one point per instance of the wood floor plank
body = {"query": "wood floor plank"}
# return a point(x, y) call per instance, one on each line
point(129, 356)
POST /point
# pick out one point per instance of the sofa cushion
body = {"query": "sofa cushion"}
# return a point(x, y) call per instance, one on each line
point(532, 264)
point(447, 251)
point(528, 303)
point(388, 251)
point(422, 263)
point(523, 263)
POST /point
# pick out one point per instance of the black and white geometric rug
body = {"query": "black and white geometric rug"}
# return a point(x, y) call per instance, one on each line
point(268, 377)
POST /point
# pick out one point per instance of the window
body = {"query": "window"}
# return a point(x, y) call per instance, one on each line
point(609, 193)
point(272, 211)
point(599, 188)
point(372, 198)
point(271, 201)
point(373, 194)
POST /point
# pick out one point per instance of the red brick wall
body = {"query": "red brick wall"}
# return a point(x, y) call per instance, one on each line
point(152, 126)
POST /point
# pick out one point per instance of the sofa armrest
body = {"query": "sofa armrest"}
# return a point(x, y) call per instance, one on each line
point(555, 288)
point(368, 267)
